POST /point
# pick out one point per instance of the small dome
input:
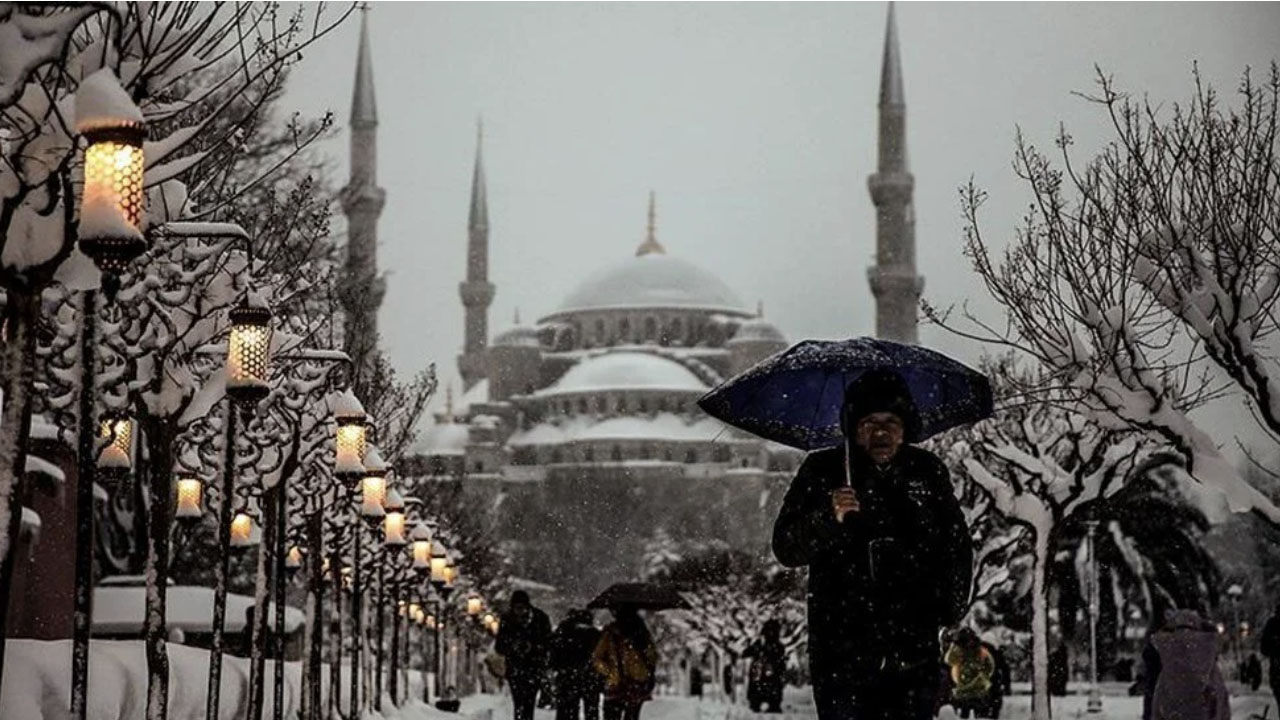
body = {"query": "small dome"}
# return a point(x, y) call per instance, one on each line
point(652, 281)
point(443, 439)
point(627, 370)
point(517, 336)
point(758, 330)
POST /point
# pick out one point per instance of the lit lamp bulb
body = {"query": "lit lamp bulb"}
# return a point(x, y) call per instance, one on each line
point(293, 559)
point(114, 462)
point(393, 530)
point(439, 565)
point(416, 613)
point(373, 491)
point(474, 605)
point(249, 351)
point(421, 549)
point(190, 493)
point(348, 462)
point(112, 203)
point(242, 531)
point(430, 622)
point(450, 574)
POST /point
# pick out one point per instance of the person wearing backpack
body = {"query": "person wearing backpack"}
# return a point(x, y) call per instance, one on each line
point(627, 660)
point(972, 671)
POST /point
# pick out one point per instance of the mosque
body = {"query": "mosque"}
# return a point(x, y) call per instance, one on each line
point(580, 431)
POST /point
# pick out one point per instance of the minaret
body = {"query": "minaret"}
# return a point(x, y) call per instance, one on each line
point(362, 202)
point(651, 244)
point(893, 278)
point(476, 290)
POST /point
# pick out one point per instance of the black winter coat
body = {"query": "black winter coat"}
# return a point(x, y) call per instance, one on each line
point(572, 645)
point(524, 646)
point(883, 582)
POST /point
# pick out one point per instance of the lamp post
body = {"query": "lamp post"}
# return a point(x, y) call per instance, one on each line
point(1094, 702)
point(1234, 592)
point(393, 543)
point(109, 232)
point(248, 363)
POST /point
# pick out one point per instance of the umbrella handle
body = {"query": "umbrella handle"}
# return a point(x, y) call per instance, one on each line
point(848, 475)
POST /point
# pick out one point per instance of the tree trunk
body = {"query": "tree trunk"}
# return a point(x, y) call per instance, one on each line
point(157, 470)
point(221, 566)
point(85, 475)
point(257, 654)
point(15, 428)
point(1040, 709)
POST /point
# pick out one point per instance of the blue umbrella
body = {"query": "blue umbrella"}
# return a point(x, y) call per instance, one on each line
point(795, 397)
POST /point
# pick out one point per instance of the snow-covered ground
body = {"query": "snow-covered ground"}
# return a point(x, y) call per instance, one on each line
point(37, 675)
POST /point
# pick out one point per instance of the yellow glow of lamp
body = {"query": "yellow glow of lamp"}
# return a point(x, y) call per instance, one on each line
point(474, 605)
point(431, 622)
point(190, 494)
point(112, 203)
point(439, 566)
point(393, 530)
point(293, 559)
point(351, 440)
point(450, 574)
point(372, 493)
point(421, 549)
point(242, 530)
point(249, 352)
point(115, 461)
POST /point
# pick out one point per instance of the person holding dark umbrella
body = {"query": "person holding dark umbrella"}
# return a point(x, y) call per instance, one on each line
point(889, 556)
point(627, 659)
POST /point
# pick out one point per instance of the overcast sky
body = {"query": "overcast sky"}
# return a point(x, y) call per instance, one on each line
point(755, 124)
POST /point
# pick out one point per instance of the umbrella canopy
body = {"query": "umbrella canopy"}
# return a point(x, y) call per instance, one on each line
point(642, 596)
point(795, 397)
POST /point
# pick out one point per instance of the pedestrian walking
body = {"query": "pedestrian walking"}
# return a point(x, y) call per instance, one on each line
point(627, 659)
point(973, 670)
point(523, 636)
point(577, 683)
point(768, 664)
point(1189, 685)
point(889, 557)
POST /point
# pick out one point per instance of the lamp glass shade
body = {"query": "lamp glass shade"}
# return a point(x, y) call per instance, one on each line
point(431, 622)
point(421, 554)
point(393, 529)
point(241, 530)
point(293, 559)
point(249, 353)
point(350, 447)
point(112, 203)
point(450, 574)
point(373, 492)
point(116, 457)
point(190, 493)
point(439, 564)
point(474, 605)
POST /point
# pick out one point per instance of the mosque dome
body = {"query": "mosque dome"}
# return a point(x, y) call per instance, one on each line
point(517, 336)
point(447, 438)
point(758, 330)
point(653, 280)
point(627, 371)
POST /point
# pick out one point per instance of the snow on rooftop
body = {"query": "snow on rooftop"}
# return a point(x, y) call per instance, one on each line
point(662, 427)
point(626, 370)
point(652, 281)
point(119, 609)
point(478, 394)
point(442, 439)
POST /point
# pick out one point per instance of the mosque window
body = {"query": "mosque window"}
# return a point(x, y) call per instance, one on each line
point(691, 456)
point(674, 332)
point(557, 456)
point(666, 455)
point(746, 462)
point(642, 405)
point(567, 407)
point(589, 455)
point(600, 330)
point(600, 404)
point(721, 454)
point(650, 329)
point(662, 404)
point(582, 406)
point(479, 466)
point(622, 404)
point(646, 452)
point(624, 328)
point(615, 454)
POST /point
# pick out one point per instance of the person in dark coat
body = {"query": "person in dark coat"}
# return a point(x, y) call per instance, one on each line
point(577, 684)
point(523, 636)
point(1001, 683)
point(889, 558)
point(1270, 647)
point(768, 663)
point(1059, 670)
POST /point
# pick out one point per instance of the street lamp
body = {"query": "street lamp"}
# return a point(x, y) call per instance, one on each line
point(1234, 592)
point(351, 439)
point(190, 495)
point(112, 203)
point(393, 530)
point(1094, 702)
point(114, 462)
point(474, 605)
point(293, 561)
point(421, 549)
point(374, 487)
point(242, 531)
point(249, 351)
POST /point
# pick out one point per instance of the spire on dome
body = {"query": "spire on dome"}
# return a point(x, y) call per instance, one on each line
point(364, 110)
point(651, 244)
point(759, 308)
point(448, 402)
point(479, 217)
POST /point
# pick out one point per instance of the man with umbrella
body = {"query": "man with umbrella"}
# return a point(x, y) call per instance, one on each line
point(873, 517)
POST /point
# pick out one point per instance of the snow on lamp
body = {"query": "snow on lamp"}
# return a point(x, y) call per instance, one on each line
point(190, 494)
point(112, 203)
point(421, 549)
point(351, 440)
point(249, 351)
point(115, 461)
point(393, 530)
